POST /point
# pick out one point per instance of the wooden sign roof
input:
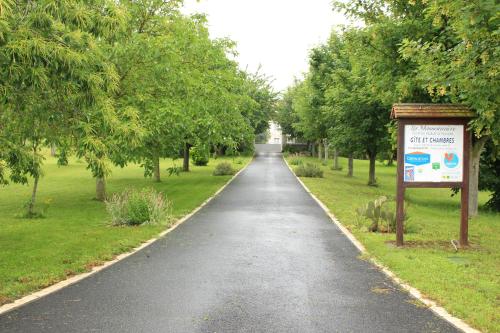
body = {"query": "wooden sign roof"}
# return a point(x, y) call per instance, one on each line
point(415, 110)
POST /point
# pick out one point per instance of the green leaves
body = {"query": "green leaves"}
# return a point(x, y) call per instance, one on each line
point(118, 81)
point(52, 78)
point(460, 64)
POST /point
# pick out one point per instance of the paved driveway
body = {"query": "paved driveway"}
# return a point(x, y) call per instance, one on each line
point(261, 257)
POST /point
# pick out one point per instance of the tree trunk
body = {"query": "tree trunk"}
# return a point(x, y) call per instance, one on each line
point(325, 142)
point(156, 169)
point(185, 165)
point(475, 156)
point(53, 150)
point(31, 205)
point(371, 180)
point(313, 149)
point(320, 152)
point(100, 188)
point(350, 166)
point(336, 165)
point(214, 155)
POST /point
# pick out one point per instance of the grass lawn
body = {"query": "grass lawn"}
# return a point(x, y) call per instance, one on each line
point(466, 283)
point(75, 235)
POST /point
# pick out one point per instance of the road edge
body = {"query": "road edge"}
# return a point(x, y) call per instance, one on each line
point(432, 305)
point(77, 278)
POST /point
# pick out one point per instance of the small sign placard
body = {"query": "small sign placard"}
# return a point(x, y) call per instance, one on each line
point(433, 153)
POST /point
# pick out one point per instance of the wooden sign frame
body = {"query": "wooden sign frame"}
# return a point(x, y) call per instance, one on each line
point(432, 114)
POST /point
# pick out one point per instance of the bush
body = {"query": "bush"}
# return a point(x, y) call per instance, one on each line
point(175, 170)
point(296, 161)
point(133, 207)
point(224, 169)
point(309, 170)
point(383, 219)
point(296, 148)
point(200, 155)
point(39, 212)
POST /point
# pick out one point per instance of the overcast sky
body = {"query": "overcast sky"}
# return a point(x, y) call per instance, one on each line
point(276, 34)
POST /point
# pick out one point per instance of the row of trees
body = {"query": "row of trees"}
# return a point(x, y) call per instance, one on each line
point(406, 51)
point(115, 82)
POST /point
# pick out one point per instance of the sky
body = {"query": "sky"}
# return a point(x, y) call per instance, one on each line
point(275, 35)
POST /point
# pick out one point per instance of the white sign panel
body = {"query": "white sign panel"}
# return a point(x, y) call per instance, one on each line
point(433, 153)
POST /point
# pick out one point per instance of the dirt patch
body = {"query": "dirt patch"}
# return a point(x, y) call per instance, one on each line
point(89, 266)
point(24, 279)
point(69, 273)
point(5, 300)
point(433, 244)
point(382, 291)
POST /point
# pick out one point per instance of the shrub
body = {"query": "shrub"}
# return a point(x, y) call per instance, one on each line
point(383, 219)
point(174, 170)
point(296, 148)
point(39, 212)
point(133, 207)
point(224, 169)
point(296, 161)
point(200, 155)
point(309, 170)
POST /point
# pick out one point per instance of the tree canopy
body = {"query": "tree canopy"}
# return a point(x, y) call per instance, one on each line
point(405, 51)
point(118, 82)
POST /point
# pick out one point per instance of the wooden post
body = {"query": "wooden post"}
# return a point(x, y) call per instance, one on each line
point(400, 191)
point(464, 216)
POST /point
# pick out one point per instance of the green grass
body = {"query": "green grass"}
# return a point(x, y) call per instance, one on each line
point(466, 283)
point(75, 235)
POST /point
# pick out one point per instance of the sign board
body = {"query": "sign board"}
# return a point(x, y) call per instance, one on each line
point(433, 153)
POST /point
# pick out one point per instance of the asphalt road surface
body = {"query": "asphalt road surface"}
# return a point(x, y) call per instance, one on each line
point(261, 257)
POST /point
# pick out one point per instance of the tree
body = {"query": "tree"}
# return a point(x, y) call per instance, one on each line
point(259, 89)
point(147, 55)
point(53, 77)
point(339, 101)
point(331, 65)
point(286, 114)
point(308, 114)
point(213, 96)
point(358, 118)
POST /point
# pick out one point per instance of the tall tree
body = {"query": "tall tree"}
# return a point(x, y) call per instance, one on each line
point(260, 90)
point(53, 77)
point(286, 114)
point(148, 58)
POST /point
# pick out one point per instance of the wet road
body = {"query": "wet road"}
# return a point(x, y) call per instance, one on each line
point(261, 257)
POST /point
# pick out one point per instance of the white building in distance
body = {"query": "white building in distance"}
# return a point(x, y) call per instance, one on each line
point(276, 136)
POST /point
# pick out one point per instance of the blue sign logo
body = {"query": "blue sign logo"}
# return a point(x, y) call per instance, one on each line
point(450, 160)
point(417, 158)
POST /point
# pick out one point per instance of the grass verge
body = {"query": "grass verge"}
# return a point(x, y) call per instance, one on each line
point(466, 283)
point(75, 234)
